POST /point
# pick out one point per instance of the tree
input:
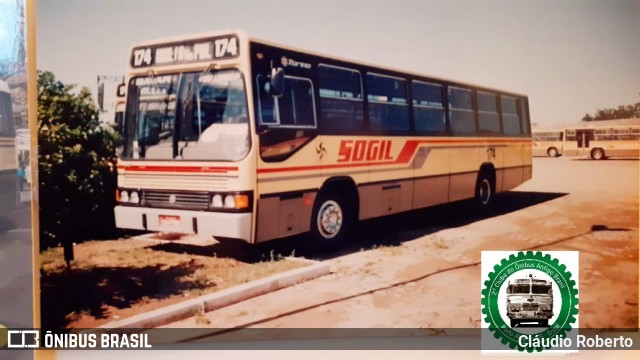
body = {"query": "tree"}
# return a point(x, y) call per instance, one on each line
point(76, 158)
point(622, 112)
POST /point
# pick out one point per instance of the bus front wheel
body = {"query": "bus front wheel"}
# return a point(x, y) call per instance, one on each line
point(331, 220)
point(552, 152)
point(597, 154)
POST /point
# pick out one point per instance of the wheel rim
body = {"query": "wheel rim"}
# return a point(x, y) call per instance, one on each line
point(330, 219)
point(597, 154)
point(484, 191)
point(552, 153)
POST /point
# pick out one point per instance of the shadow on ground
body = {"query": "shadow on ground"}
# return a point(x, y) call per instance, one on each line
point(91, 291)
point(388, 231)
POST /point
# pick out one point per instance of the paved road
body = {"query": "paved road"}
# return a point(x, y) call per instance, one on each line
point(16, 294)
point(16, 267)
point(424, 269)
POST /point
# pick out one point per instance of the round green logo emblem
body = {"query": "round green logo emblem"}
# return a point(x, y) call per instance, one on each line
point(529, 288)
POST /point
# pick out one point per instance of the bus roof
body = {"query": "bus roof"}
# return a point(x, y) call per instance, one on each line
point(546, 130)
point(604, 126)
point(243, 37)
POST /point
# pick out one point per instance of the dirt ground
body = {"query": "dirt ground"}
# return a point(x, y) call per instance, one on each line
point(422, 270)
point(115, 279)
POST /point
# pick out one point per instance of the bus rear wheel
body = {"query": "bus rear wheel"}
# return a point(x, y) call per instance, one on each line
point(484, 190)
point(331, 220)
point(552, 152)
point(597, 154)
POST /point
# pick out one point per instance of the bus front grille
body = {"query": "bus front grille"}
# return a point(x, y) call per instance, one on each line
point(180, 200)
point(192, 182)
point(530, 307)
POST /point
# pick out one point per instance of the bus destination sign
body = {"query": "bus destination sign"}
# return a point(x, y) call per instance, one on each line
point(215, 48)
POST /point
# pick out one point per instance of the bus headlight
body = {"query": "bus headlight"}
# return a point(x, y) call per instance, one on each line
point(229, 202)
point(134, 199)
point(124, 196)
point(216, 201)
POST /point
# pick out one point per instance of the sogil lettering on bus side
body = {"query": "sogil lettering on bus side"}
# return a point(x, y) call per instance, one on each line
point(364, 150)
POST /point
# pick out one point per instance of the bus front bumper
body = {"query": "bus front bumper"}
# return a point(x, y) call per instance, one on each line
point(531, 315)
point(229, 225)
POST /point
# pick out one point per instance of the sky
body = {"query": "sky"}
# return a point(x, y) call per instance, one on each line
point(571, 57)
point(9, 27)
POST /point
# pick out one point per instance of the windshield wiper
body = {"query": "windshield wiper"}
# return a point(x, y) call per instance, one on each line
point(185, 105)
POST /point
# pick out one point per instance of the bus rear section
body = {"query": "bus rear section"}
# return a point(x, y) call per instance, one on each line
point(548, 143)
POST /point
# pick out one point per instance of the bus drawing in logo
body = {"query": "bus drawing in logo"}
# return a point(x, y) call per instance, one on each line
point(529, 300)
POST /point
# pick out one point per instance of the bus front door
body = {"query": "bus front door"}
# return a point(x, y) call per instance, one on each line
point(583, 138)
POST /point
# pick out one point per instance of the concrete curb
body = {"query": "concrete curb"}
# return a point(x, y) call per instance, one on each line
point(221, 298)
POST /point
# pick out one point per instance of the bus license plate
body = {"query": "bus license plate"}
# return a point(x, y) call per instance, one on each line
point(169, 222)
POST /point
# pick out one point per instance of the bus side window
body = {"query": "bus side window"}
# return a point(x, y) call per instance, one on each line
point(461, 112)
point(388, 104)
point(341, 100)
point(510, 118)
point(488, 118)
point(428, 107)
point(525, 126)
point(294, 108)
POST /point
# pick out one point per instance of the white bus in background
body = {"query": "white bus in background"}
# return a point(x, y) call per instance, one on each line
point(602, 142)
point(548, 143)
point(229, 136)
point(8, 158)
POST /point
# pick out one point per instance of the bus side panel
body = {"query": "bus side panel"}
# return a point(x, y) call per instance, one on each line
point(385, 199)
point(431, 171)
point(513, 170)
point(527, 161)
point(284, 215)
point(465, 164)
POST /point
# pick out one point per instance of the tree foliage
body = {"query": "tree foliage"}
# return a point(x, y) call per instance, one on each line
point(622, 112)
point(76, 158)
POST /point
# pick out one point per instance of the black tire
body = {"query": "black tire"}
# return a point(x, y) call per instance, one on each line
point(332, 219)
point(485, 189)
point(597, 154)
point(552, 152)
point(544, 322)
point(514, 323)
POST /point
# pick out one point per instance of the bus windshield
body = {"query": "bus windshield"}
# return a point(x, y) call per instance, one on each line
point(187, 116)
point(518, 289)
point(541, 289)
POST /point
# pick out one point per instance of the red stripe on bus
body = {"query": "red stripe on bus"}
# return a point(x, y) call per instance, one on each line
point(406, 154)
point(202, 169)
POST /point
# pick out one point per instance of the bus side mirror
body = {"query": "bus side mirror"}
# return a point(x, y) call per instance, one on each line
point(121, 90)
point(277, 81)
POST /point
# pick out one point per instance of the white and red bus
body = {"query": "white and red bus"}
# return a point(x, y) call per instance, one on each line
point(256, 141)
